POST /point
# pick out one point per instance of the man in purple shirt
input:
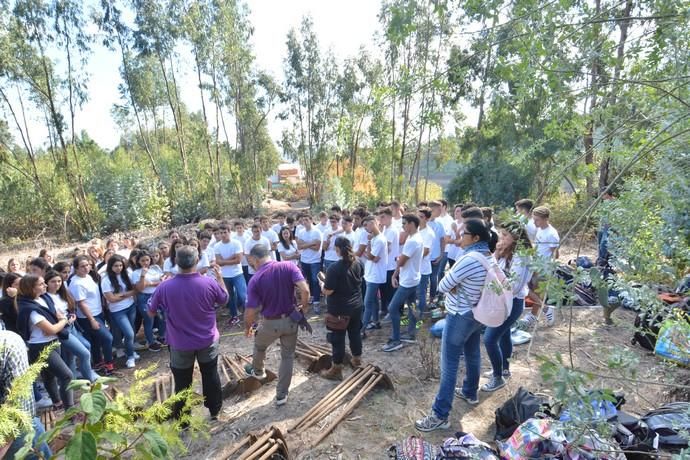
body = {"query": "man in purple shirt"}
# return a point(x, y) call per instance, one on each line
point(272, 291)
point(188, 302)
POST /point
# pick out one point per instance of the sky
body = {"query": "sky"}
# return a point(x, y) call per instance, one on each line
point(342, 26)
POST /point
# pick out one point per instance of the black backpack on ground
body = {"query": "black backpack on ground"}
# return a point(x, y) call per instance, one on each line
point(516, 410)
point(672, 423)
point(634, 437)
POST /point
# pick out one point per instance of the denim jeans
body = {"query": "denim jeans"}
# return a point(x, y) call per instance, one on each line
point(461, 333)
point(371, 303)
point(142, 305)
point(19, 443)
point(421, 293)
point(237, 290)
point(434, 279)
point(441, 270)
point(100, 339)
point(497, 341)
point(311, 273)
point(399, 298)
point(72, 349)
point(387, 292)
point(124, 321)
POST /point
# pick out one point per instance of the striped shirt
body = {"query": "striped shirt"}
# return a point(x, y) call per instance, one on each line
point(13, 363)
point(463, 284)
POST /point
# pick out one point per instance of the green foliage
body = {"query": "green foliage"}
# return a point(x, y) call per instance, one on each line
point(128, 425)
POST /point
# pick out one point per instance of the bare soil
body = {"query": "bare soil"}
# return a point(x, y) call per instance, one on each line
point(385, 416)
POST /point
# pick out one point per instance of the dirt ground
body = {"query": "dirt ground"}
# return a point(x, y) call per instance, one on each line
point(386, 416)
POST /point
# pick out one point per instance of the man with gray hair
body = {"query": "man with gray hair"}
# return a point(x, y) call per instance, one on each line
point(272, 291)
point(188, 301)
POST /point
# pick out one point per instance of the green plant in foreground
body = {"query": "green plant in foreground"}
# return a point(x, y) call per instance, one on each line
point(127, 426)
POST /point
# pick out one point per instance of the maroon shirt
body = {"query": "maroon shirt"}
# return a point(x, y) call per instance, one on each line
point(272, 287)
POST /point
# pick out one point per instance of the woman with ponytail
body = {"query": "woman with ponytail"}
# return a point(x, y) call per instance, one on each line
point(343, 289)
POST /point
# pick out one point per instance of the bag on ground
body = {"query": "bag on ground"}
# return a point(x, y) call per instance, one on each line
point(465, 446)
point(673, 342)
point(672, 423)
point(413, 448)
point(522, 406)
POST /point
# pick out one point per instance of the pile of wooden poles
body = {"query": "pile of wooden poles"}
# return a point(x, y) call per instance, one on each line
point(164, 387)
point(236, 380)
point(262, 446)
point(365, 378)
point(319, 356)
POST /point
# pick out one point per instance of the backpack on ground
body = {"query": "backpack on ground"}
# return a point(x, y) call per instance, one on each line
point(672, 423)
point(496, 300)
point(522, 406)
point(673, 342)
point(413, 448)
point(634, 437)
point(465, 446)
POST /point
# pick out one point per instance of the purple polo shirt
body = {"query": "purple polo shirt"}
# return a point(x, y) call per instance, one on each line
point(188, 301)
point(272, 287)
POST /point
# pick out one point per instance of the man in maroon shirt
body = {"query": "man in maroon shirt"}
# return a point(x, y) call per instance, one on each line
point(188, 301)
point(272, 291)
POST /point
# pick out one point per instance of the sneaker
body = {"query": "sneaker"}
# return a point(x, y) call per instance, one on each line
point(371, 326)
point(281, 400)
point(155, 347)
point(490, 373)
point(234, 321)
point(139, 346)
point(386, 319)
point(119, 353)
point(136, 355)
point(419, 324)
point(130, 363)
point(316, 309)
point(258, 373)
point(408, 338)
point(431, 423)
point(493, 385)
point(550, 316)
point(108, 368)
point(526, 323)
point(44, 403)
point(467, 399)
point(162, 341)
point(392, 345)
point(213, 418)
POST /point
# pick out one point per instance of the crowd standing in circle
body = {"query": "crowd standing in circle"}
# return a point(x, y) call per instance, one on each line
point(369, 268)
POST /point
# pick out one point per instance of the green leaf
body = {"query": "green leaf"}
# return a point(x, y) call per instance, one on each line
point(99, 402)
point(79, 384)
point(81, 446)
point(159, 448)
point(115, 439)
point(86, 401)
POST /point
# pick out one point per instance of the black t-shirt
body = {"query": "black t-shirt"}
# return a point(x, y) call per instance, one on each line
point(346, 283)
point(8, 314)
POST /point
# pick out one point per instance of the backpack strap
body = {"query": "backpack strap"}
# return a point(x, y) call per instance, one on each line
point(479, 258)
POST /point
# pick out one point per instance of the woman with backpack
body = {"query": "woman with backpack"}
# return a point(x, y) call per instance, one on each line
point(462, 286)
point(499, 346)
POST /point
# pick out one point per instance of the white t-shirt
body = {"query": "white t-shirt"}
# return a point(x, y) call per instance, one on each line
point(276, 227)
point(546, 241)
point(226, 250)
point(428, 236)
point(453, 250)
point(124, 304)
point(323, 228)
point(288, 252)
point(203, 262)
point(298, 231)
point(250, 243)
point(329, 252)
point(37, 335)
point(410, 274)
point(272, 238)
point(311, 256)
point(86, 289)
point(210, 254)
point(350, 236)
point(153, 275)
point(375, 272)
point(168, 267)
point(362, 240)
point(393, 238)
point(60, 305)
point(531, 230)
point(397, 223)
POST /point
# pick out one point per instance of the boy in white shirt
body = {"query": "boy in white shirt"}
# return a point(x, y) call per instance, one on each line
point(280, 222)
point(329, 255)
point(323, 225)
point(255, 240)
point(270, 235)
point(428, 237)
point(392, 234)
point(228, 254)
point(309, 242)
point(524, 208)
point(242, 235)
point(376, 262)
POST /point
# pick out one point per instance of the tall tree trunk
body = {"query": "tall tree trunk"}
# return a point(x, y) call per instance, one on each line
point(207, 137)
point(596, 73)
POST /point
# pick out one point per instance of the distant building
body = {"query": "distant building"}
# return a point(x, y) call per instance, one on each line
point(287, 173)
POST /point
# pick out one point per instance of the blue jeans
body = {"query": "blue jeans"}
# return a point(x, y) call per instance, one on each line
point(371, 303)
point(421, 293)
point(124, 321)
point(19, 443)
point(441, 271)
point(497, 341)
point(143, 306)
point(398, 300)
point(100, 339)
point(74, 348)
point(434, 279)
point(461, 333)
point(311, 273)
point(237, 290)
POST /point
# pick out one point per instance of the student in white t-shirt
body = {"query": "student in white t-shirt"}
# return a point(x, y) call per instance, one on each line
point(546, 243)
point(203, 265)
point(90, 314)
point(406, 278)
point(207, 250)
point(228, 255)
point(287, 246)
point(392, 235)
point(376, 263)
point(323, 224)
point(169, 267)
point(119, 293)
point(428, 236)
point(523, 208)
point(242, 235)
point(309, 242)
point(270, 235)
point(347, 223)
point(330, 255)
point(280, 218)
point(146, 279)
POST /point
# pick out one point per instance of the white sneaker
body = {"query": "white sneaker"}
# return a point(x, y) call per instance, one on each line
point(119, 353)
point(130, 363)
point(136, 355)
point(44, 403)
point(281, 401)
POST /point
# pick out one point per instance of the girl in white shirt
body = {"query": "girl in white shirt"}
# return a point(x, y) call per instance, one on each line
point(146, 279)
point(169, 267)
point(119, 293)
point(287, 247)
